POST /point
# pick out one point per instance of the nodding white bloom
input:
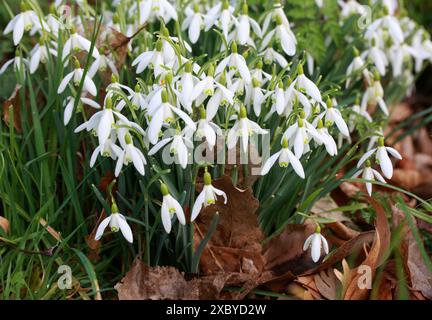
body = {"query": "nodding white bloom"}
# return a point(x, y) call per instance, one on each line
point(299, 135)
point(243, 129)
point(284, 35)
point(358, 110)
point(422, 46)
point(170, 206)
point(186, 87)
point(375, 95)
point(154, 59)
point(381, 157)
point(241, 33)
point(39, 54)
point(259, 74)
point(76, 76)
point(194, 22)
point(206, 129)
point(256, 96)
point(235, 62)
point(136, 98)
point(276, 13)
point(19, 64)
point(103, 63)
point(391, 5)
point(77, 42)
point(303, 83)
point(220, 16)
point(180, 143)
point(108, 149)
point(161, 113)
point(389, 23)
point(208, 86)
point(53, 24)
point(378, 57)
point(398, 54)
point(279, 99)
point(24, 21)
point(326, 139)
point(117, 222)
point(149, 9)
point(285, 157)
point(355, 66)
point(351, 7)
point(270, 55)
point(316, 242)
point(293, 97)
point(332, 116)
point(130, 153)
point(69, 106)
point(208, 196)
point(102, 122)
point(369, 174)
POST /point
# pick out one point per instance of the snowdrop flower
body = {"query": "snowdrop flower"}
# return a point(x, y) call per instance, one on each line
point(221, 16)
point(76, 76)
point(241, 33)
point(153, 59)
point(279, 99)
point(130, 154)
point(243, 129)
point(326, 139)
point(164, 112)
point(333, 115)
point(276, 13)
point(70, 103)
point(103, 121)
point(271, 55)
point(378, 57)
point(285, 157)
point(375, 95)
point(382, 157)
point(284, 35)
point(170, 206)
point(422, 46)
point(207, 129)
point(351, 7)
point(77, 42)
point(303, 83)
point(358, 111)
point(117, 222)
point(293, 97)
point(208, 196)
point(355, 66)
point(179, 146)
point(259, 74)
point(235, 62)
point(39, 54)
point(298, 135)
point(316, 242)
point(103, 63)
point(108, 149)
point(24, 21)
point(186, 87)
point(137, 99)
point(391, 5)
point(369, 174)
point(156, 8)
point(389, 23)
point(256, 96)
point(193, 22)
point(18, 63)
point(399, 54)
point(221, 97)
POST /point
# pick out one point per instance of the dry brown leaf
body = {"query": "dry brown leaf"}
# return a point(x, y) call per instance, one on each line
point(375, 255)
point(94, 245)
point(13, 102)
point(401, 112)
point(236, 244)
point(322, 207)
point(419, 274)
point(406, 178)
point(327, 284)
point(168, 283)
point(424, 141)
point(4, 224)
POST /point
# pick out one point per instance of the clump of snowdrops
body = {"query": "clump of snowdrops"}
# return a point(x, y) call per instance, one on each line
point(311, 94)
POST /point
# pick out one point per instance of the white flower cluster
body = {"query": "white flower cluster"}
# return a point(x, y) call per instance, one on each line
point(240, 93)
